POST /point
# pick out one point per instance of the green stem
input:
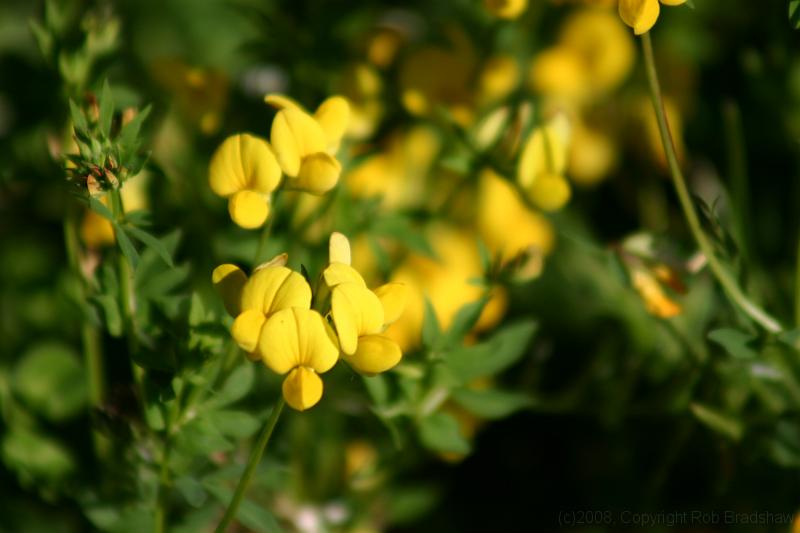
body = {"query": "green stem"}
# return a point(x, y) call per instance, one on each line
point(252, 464)
point(90, 336)
point(725, 279)
point(797, 288)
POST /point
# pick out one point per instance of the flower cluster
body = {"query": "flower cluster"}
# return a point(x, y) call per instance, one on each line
point(275, 323)
point(246, 169)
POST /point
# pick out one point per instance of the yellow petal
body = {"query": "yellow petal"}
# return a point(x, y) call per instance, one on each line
point(229, 280)
point(339, 249)
point(279, 260)
point(337, 273)
point(333, 115)
point(550, 192)
point(318, 174)
point(393, 298)
point(641, 15)
point(246, 329)
point(274, 288)
point(248, 209)
point(506, 9)
point(280, 101)
point(302, 388)
point(295, 135)
point(356, 311)
point(375, 354)
point(243, 162)
point(673, 2)
point(297, 337)
point(545, 151)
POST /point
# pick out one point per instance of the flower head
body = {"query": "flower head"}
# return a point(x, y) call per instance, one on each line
point(304, 144)
point(244, 170)
point(543, 162)
point(361, 315)
point(641, 15)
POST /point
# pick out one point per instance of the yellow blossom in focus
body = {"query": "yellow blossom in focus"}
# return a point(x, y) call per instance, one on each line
point(506, 9)
point(542, 163)
point(244, 170)
point(304, 144)
point(641, 15)
point(361, 315)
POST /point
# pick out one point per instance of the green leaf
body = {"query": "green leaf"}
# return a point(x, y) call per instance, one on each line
point(440, 433)
point(201, 437)
point(377, 388)
point(100, 208)
point(794, 13)
point(106, 109)
point(735, 342)
point(235, 387)
point(400, 229)
point(152, 242)
point(493, 356)
point(236, 424)
point(51, 380)
point(252, 516)
point(78, 118)
point(130, 131)
point(126, 246)
point(406, 505)
point(465, 320)
point(491, 403)
point(431, 331)
point(36, 457)
point(192, 490)
point(717, 421)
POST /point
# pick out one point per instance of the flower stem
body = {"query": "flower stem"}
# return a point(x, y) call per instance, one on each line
point(252, 464)
point(90, 336)
point(724, 277)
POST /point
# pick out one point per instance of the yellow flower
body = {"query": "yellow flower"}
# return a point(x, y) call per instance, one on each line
point(542, 164)
point(655, 299)
point(270, 289)
point(304, 143)
point(498, 78)
point(506, 9)
point(244, 170)
point(361, 315)
point(641, 15)
point(559, 72)
point(96, 231)
point(297, 341)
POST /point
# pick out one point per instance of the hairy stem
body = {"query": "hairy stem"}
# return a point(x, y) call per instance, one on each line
point(723, 276)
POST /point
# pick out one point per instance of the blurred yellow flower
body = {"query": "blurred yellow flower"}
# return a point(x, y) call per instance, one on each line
point(499, 76)
point(95, 230)
point(244, 170)
point(542, 163)
point(559, 72)
point(506, 9)
point(362, 87)
point(592, 154)
point(361, 315)
point(641, 15)
point(655, 299)
point(303, 143)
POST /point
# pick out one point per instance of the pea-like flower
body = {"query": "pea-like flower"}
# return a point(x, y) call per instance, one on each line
point(641, 15)
point(304, 144)
point(297, 341)
point(543, 162)
point(361, 315)
point(244, 170)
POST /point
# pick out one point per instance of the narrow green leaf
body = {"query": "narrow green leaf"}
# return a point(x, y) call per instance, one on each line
point(465, 320)
point(491, 403)
point(493, 356)
point(719, 422)
point(440, 433)
point(235, 387)
point(100, 208)
point(78, 118)
point(236, 424)
point(794, 13)
point(126, 246)
point(431, 331)
point(106, 109)
point(130, 131)
point(192, 490)
point(152, 242)
point(253, 516)
point(735, 342)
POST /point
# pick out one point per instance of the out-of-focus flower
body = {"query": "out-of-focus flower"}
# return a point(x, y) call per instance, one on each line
point(244, 170)
point(559, 73)
point(303, 143)
point(641, 15)
point(655, 299)
point(383, 46)
point(445, 281)
point(592, 154)
point(499, 76)
point(542, 164)
point(652, 135)
point(200, 94)
point(506, 9)
point(506, 225)
point(362, 87)
point(361, 315)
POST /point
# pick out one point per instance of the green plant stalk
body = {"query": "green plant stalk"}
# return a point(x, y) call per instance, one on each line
point(728, 283)
point(797, 288)
point(90, 336)
point(252, 464)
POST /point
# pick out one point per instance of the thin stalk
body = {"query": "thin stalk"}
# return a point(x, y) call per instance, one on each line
point(797, 288)
point(252, 464)
point(90, 336)
point(725, 279)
